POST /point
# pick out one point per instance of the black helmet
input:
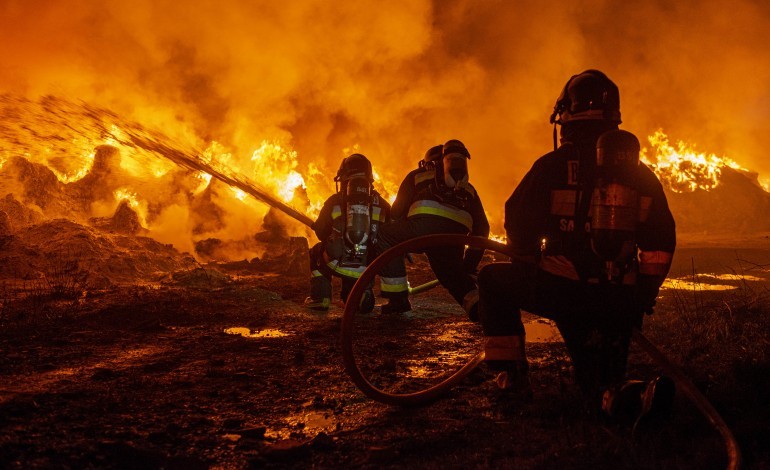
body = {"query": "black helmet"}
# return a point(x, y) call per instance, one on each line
point(432, 154)
point(354, 165)
point(455, 146)
point(587, 96)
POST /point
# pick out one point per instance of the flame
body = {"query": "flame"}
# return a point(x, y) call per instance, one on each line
point(123, 194)
point(498, 238)
point(683, 169)
point(218, 157)
point(88, 162)
point(204, 179)
point(387, 189)
point(239, 194)
point(274, 167)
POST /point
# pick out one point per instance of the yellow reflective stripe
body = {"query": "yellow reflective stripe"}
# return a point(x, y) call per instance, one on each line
point(315, 273)
point(424, 176)
point(563, 202)
point(644, 208)
point(346, 271)
point(504, 348)
point(336, 212)
point(394, 284)
point(655, 262)
point(376, 213)
point(428, 207)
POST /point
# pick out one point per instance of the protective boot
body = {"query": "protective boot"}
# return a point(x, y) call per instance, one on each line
point(397, 305)
point(657, 399)
point(507, 356)
point(320, 294)
point(514, 381)
point(471, 305)
point(367, 302)
point(623, 402)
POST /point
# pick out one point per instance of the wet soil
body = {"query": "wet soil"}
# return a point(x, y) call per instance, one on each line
point(240, 375)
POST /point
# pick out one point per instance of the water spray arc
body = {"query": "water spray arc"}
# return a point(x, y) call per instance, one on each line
point(145, 142)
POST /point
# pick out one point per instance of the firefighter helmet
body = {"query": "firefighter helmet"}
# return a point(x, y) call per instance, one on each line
point(589, 95)
point(455, 146)
point(432, 154)
point(354, 165)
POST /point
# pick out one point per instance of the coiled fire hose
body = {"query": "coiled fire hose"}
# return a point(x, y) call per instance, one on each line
point(429, 394)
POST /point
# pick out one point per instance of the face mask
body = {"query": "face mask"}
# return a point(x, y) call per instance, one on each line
point(455, 170)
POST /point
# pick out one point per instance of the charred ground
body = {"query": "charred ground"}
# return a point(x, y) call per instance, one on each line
point(146, 376)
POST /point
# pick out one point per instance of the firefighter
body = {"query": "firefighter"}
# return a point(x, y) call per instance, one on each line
point(348, 227)
point(597, 230)
point(436, 198)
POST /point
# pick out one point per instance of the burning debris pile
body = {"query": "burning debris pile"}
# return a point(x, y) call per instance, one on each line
point(709, 194)
point(125, 206)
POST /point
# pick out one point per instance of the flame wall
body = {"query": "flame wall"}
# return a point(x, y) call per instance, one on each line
point(397, 77)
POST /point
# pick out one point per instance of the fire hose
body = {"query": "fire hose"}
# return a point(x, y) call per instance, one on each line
point(432, 393)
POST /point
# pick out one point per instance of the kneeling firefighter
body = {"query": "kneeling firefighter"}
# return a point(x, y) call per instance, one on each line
point(436, 198)
point(597, 227)
point(348, 227)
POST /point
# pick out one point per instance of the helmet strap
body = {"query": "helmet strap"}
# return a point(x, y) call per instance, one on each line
point(554, 136)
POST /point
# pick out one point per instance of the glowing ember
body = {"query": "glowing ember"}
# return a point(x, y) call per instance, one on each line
point(682, 169)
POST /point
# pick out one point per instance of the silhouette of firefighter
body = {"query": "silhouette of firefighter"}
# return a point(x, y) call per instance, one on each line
point(596, 225)
point(436, 198)
point(348, 227)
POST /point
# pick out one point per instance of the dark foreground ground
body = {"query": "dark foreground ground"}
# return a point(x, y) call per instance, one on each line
point(156, 377)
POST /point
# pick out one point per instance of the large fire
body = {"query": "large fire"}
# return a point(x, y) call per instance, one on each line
point(180, 195)
point(682, 168)
point(101, 162)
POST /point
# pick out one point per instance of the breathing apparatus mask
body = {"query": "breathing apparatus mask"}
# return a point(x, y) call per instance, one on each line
point(355, 180)
point(615, 202)
point(451, 177)
point(432, 155)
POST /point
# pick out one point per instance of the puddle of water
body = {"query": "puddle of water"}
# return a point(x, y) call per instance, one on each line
point(706, 281)
point(248, 333)
point(310, 423)
point(541, 331)
point(681, 284)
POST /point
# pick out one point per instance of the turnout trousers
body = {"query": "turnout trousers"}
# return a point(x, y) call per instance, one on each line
point(445, 261)
point(595, 320)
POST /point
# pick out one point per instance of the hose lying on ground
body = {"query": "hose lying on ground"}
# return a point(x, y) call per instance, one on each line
point(351, 308)
point(435, 391)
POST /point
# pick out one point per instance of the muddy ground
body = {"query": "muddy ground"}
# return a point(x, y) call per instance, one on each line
point(234, 373)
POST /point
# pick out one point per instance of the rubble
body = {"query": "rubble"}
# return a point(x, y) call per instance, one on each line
point(125, 220)
point(19, 215)
point(107, 258)
point(5, 225)
point(737, 205)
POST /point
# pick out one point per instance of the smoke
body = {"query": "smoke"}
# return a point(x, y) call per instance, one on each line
point(394, 78)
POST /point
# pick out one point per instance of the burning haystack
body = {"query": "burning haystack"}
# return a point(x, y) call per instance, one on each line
point(708, 194)
point(121, 207)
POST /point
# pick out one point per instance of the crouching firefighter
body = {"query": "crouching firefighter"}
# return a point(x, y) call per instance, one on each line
point(596, 226)
point(436, 198)
point(348, 227)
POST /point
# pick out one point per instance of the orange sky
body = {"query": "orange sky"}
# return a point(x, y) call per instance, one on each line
point(395, 78)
